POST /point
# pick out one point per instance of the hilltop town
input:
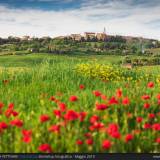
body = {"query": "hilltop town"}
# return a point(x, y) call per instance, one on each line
point(100, 37)
point(86, 36)
point(87, 43)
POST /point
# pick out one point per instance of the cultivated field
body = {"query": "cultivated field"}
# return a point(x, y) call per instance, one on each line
point(51, 103)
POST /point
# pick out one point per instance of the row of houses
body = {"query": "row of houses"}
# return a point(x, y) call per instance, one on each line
point(86, 36)
point(26, 38)
point(76, 37)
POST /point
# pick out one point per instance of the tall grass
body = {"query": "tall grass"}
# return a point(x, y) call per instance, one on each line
point(31, 89)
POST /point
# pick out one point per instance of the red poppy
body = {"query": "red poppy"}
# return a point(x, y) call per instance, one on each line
point(54, 128)
point(79, 142)
point(101, 106)
point(156, 126)
point(150, 85)
point(81, 86)
point(1, 105)
point(119, 93)
point(62, 106)
point(113, 127)
point(158, 114)
point(57, 113)
point(11, 105)
point(97, 93)
point(52, 98)
point(147, 126)
point(8, 112)
point(91, 128)
point(145, 97)
point(45, 148)
point(146, 105)
point(89, 141)
point(56, 100)
point(103, 97)
point(71, 115)
point(44, 118)
point(82, 116)
point(151, 115)
point(88, 135)
point(158, 96)
point(116, 135)
point(158, 140)
point(137, 131)
point(139, 119)
point(27, 133)
point(27, 139)
point(126, 101)
point(106, 144)
point(129, 115)
point(16, 122)
point(98, 126)
point(94, 119)
point(63, 123)
point(26, 136)
point(129, 137)
point(113, 101)
point(113, 130)
point(15, 113)
point(5, 81)
point(73, 98)
point(3, 125)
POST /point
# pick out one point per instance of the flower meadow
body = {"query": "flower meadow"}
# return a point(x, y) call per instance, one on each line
point(50, 108)
point(113, 72)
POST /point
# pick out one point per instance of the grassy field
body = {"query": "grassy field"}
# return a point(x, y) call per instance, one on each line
point(34, 59)
point(46, 106)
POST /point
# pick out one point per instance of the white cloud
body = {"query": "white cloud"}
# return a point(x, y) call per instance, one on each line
point(117, 17)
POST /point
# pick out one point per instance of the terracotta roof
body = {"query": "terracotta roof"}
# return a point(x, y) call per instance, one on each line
point(90, 33)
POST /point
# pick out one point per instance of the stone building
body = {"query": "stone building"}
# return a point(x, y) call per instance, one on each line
point(101, 36)
point(76, 37)
point(89, 35)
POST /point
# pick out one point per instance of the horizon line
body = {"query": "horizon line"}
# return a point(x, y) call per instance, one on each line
point(65, 35)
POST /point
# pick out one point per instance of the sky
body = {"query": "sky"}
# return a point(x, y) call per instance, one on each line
point(62, 17)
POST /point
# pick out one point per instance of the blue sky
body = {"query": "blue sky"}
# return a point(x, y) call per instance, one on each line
point(43, 4)
point(63, 17)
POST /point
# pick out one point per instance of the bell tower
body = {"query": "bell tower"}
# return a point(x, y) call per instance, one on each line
point(104, 31)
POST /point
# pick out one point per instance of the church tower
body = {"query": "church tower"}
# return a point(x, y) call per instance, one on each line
point(104, 31)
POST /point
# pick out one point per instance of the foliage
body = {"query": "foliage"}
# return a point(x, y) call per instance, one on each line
point(142, 61)
point(113, 45)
